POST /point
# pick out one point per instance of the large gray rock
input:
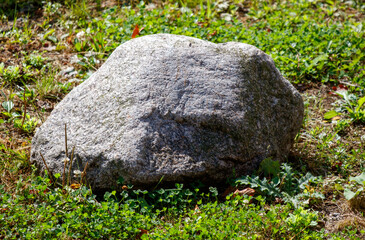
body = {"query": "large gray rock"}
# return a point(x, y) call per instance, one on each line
point(175, 107)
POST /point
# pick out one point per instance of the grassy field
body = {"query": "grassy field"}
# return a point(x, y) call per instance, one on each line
point(47, 48)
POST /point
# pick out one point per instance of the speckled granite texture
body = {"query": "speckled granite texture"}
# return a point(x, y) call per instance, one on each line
point(175, 107)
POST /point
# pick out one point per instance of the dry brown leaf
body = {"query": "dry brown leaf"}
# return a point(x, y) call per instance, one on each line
point(246, 191)
point(75, 186)
point(136, 31)
point(143, 231)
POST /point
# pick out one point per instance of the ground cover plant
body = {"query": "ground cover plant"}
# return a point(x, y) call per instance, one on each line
point(49, 47)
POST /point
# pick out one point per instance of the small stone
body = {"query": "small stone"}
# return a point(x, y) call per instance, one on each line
point(66, 71)
point(222, 6)
point(80, 35)
point(151, 6)
point(226, 16)
point(74, 59)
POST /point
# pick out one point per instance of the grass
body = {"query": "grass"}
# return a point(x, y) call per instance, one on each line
point(48, 48)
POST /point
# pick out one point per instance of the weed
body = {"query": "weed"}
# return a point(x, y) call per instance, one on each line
point(10, 74)
point(285, 185)
point(356, 197)
point(25, 122)
point(35, 60)
point(352, 104)
point(46, 85)
point(28, 125)
point(52, 9)
point(79, 8)
point(8, 106)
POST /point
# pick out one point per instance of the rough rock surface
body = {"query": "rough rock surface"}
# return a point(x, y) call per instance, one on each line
point(174, 106)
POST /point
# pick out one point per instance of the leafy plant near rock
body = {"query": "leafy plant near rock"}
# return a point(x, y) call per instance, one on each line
point(350, 105)
point(279, 223)
point(35, 60)
point(74, 215)
point(10, 74)
point(77, 213)
point(22, 121)
point(354, 191)
point(287, 185)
